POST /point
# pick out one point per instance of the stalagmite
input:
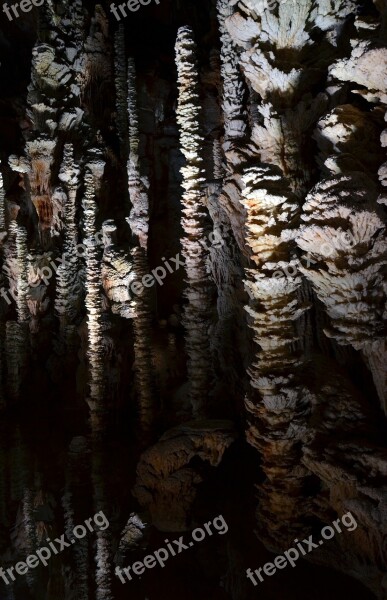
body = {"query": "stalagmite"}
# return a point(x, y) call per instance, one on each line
point(29, 522)
point(383, 169)
point(117, 274)
point(277, 143)
point(77, 469)
point(194, 219)
point(3, 234)
point(120, 64)
point(21, 249)
point(2, 205)
point(139, 225)
point(94, 171)
point(104, 550)
point(68, 298)
point(17, 339)
point(278, 296)
point(217, 157)
point(279, 402)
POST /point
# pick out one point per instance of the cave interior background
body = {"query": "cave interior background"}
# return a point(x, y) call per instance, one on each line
point(182, 405)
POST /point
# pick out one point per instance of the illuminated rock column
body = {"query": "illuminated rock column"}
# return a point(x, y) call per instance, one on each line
point(94, 171)
point(139, 224)
point(196, 318)
point(68, 289)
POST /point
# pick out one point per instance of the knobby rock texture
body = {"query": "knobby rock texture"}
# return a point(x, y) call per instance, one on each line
point(193, 290)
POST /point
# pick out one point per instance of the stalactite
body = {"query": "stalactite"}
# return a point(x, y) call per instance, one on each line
point(94, 171)
point(349, 264)
point(4, 484)
point(279, 402)
point(21, 301)
point(77, 20)
point(38, 300)
point(69, 289)
point(17, 339)
point(217, 157)
point(104, 557)
point(139, 214)
point(383, 169)
point(197, 311)
point(40, 150)
point(2, 205)
point(235, 125)
point(224, 259)
point(121, 90)
point(53, 104)
point(3, 235)
point(287, 108)
point(130, 538)
point(117, 273)
point(233, 87)
point(280, 138)
point(142, 343)
point(11, 333)
point(303, 108)
point(139, 224)
point(104, 551)
point(97, 65)
point(227, 274)
point(31, 540)
point(350, 250)
point(40, 153)
point(22, 281)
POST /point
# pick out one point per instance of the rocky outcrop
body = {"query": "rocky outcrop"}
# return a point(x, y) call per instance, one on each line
point(167, 480)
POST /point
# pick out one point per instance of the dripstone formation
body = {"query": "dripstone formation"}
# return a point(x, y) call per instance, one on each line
point(248, 139)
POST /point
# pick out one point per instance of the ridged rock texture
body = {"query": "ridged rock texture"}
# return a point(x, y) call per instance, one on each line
point(193, 288)
point(69, 286)
point(94, 172)
point(138, 221)
point(196, 313)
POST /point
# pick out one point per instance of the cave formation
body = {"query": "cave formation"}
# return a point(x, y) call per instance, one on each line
point(193, 295)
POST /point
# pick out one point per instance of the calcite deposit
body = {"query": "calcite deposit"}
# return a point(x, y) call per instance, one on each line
point(193, 290)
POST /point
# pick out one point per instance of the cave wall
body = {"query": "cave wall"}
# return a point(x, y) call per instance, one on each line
point(247, 141)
